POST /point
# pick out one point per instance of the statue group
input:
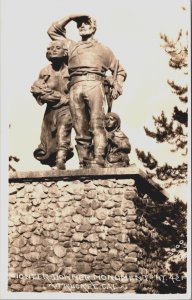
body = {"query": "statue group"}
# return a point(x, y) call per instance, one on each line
point(79, 95)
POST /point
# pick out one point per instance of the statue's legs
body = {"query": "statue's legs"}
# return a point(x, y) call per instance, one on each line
point(84, 154)
point(63, 139)
point(96, 101)
point(80, 117)
point(87, 101)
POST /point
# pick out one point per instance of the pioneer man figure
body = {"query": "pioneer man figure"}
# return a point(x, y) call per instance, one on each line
point(89, 60)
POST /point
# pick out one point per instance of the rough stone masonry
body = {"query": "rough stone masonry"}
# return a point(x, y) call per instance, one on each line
point(77, 231)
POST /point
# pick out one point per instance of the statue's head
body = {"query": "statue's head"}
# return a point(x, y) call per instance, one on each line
point(112, 122)
point(48, 52)
point(87, 26)
point(56, 49)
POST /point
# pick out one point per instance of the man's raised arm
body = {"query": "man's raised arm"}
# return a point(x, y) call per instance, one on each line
point(57, 30)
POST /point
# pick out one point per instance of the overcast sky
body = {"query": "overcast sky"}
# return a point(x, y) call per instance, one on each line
point(130, 28)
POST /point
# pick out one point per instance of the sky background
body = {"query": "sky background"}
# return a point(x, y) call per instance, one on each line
point(130, 28)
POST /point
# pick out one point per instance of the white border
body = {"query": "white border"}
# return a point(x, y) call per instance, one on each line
point(4, 121)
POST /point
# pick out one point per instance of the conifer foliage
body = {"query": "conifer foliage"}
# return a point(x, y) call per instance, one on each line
point(172, 131)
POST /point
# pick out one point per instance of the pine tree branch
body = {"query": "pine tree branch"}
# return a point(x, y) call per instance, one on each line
point(184, 98)
point(178, 173)
point(166, 173)
point(177, 89)
point(180, 116)
point(147, 159)
point(170, 132)
point(178, 53)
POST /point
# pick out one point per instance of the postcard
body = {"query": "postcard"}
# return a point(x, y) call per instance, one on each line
point(95, 149)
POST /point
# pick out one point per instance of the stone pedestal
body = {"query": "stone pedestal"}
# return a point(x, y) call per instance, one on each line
point(83, 231)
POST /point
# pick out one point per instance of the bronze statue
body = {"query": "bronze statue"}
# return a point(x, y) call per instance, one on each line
point(88, 63)
point(51, 88)
point(118, 145)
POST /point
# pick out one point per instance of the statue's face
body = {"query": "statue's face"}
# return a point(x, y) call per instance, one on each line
point(48, 53)
point(110, 123)
point(85, 28)
point(57, 50)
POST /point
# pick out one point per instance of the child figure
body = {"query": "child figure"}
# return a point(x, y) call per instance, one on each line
point(40, 89)
point(118, 145)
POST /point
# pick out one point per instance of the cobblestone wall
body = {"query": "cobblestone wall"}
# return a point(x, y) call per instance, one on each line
point(79, 236)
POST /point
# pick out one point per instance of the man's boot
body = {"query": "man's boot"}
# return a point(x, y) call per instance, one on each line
point(83, 152)
point(61, 159)
point(98, 162)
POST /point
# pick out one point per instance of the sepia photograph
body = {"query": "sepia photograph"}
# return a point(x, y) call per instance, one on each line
point(95, 149)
